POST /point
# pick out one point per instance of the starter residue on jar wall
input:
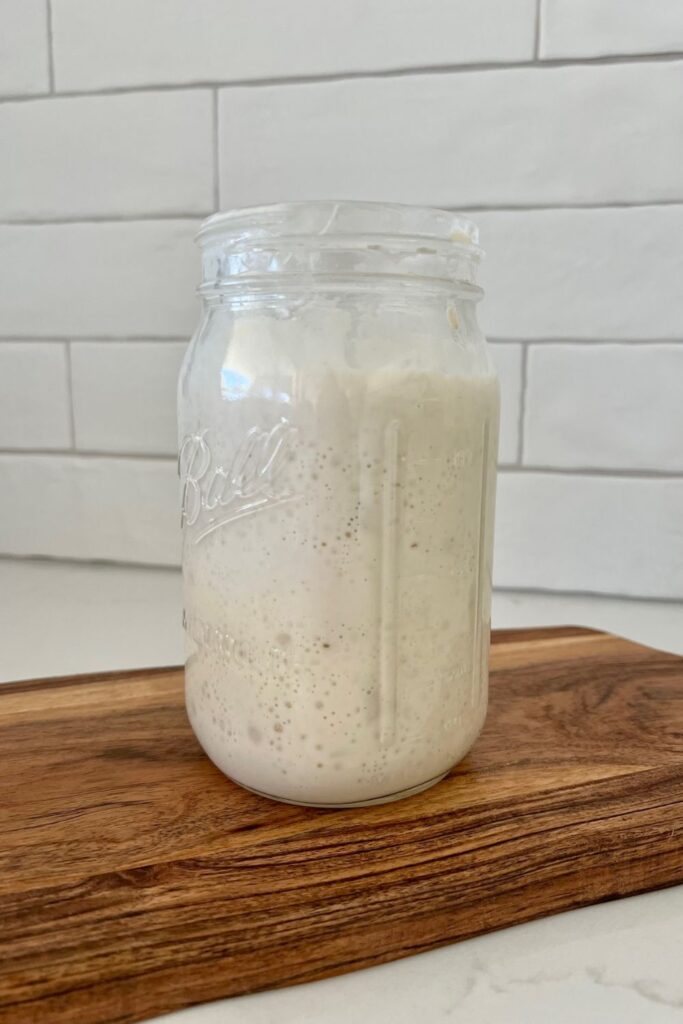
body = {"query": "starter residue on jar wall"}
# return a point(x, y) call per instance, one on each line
point(337, 578)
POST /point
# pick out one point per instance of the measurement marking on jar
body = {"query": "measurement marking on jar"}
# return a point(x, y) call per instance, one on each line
point(389, 587)
point(462, 458)
point(217, 640)
point(483, 526)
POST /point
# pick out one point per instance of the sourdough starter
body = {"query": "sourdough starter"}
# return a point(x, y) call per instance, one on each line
point(337, 582)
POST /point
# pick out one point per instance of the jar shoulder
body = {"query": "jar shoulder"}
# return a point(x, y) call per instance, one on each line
point(285, 340)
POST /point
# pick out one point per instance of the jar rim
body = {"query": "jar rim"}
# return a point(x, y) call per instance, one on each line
point(340, 218)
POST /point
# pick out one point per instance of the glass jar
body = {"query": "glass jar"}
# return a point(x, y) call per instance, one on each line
point(338, 435)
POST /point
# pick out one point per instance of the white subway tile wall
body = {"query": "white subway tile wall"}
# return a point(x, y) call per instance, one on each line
point(601, 28)
point(589, 533)
point(104, 279)
point(484, 138)
point(24, 47)
point(124, 395)
point(98, 156)
point(557, 123)
point(605, 407)
point(34, 395)
point(583, 274)
point(508, 359)
point(101, 44)
point(71, 506)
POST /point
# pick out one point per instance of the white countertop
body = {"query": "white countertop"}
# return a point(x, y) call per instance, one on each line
point(618, 962)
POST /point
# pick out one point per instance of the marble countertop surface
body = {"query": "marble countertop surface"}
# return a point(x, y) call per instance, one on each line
point(618, 962)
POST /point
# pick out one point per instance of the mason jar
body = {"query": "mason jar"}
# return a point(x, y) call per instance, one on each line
point(338, 434)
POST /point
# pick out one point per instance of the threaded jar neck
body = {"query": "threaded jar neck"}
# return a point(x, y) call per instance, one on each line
point(324, 240)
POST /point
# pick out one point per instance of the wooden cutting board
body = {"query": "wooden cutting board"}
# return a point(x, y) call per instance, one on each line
point(136, 879)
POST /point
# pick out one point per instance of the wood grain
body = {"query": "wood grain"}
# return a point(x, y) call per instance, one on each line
point(135, 879)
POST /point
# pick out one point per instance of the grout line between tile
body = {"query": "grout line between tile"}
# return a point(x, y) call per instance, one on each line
point(216, 156)
point(70, 395)
point(50, 46)
point(644, 342)
point(504, 468)
point(89, 453)
point(347, 76)
point(198, 215)
point(537, 31)
point(176, 339)
point(522, 404)
point(609, 472)
point(94, 340)
point(103, 339)
point(110, 218)
point(93, 563)
point(596, 594)
point(165, 567)
point(605, 204)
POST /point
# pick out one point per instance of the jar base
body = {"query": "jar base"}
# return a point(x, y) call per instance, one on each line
point(341, 805)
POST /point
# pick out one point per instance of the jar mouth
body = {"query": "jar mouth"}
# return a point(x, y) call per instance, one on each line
point(342, 218)
point(338, 240)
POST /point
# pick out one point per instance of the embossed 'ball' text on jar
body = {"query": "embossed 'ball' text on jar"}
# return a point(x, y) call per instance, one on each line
point(338, 434)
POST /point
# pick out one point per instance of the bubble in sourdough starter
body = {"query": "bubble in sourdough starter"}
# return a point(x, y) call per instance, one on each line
point(290, 609)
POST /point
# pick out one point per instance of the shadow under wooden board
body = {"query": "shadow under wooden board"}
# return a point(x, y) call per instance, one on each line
point(135, 879)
